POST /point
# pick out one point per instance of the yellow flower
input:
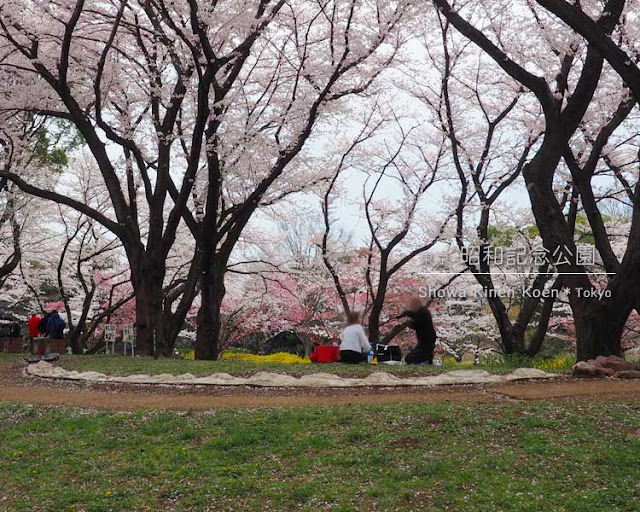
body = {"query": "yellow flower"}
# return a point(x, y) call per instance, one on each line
point(278, 357)
point(188, 354)
point(556, 363)
point(107, 493)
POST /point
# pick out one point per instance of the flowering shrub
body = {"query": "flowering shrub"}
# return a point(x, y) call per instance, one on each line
point(563, 362)
point(556, 363)
point(448, 361)
point(278, 357)
point(187, 353)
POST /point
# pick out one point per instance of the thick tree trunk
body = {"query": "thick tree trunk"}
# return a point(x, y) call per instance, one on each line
point(209, 315)
point(150, 332)
point(599, 325)
point(599, 322)
point(75, 341)
point(556, 235)
point(149, 323)
point(374, 322)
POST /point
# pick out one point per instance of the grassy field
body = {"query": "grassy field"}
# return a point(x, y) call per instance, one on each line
point(119, 365)
point(11, 357)
point(568, 456)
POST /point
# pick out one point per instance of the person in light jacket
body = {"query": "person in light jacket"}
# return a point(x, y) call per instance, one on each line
point(354, 346)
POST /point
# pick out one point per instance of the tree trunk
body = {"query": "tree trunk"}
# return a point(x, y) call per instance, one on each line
point(174, 319)
point(374, 323)
point(75, 341)
point(599, 325)
point(535, 342)
point(378, 303)
point(209, 315)
point(150, 333)
point(172, 328)
point(504, 323)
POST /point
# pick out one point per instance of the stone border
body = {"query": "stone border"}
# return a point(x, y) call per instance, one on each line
point(314, 380)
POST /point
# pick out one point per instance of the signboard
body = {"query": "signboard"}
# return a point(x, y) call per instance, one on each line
point(110, 333)
point(127, 333)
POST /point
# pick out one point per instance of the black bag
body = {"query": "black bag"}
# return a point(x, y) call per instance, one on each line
point(388, 353)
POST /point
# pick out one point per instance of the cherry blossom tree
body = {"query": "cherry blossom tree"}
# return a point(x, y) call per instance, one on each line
point(73, 62)
point(273, 295)
point(620, 51)
point(66, 259)
point(341, 51)
point(28, 144)
point(398, 230)
point(88, 255)
point(572, 78)
point(488, 156)
point(10, 253)
point(167, 96)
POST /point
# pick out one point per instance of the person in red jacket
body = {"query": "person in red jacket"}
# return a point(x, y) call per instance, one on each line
point(34, 332)
point(34, 329)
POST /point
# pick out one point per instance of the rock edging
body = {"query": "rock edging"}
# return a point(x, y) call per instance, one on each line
point(314, 380)
point(610, 366)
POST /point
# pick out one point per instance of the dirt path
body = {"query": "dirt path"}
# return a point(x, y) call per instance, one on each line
point(570, 387)
point(16, 387)
point(139, 401)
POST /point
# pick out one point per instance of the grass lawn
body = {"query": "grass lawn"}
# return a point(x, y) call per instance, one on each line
point(11, 357)
point(564, 456)
point(119, 365)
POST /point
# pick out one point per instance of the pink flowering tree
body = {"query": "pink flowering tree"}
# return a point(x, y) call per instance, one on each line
point(577, 95)
point(192, 112)
point(263, 305)
point(399, 228)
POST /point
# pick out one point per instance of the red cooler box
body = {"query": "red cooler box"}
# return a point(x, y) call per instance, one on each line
point(326, 354)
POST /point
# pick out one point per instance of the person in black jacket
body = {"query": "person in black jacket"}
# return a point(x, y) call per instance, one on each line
point(421, 322)
point(42, 326)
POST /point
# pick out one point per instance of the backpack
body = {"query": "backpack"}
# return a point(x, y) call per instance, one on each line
point(387, 353)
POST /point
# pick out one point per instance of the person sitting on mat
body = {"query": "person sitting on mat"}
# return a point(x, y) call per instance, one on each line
point(421, 322)
point(354, 346)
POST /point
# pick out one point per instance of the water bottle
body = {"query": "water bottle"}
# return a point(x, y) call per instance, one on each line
point(370, 356)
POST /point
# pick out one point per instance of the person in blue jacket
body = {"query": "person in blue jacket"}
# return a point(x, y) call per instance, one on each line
point(55, 326)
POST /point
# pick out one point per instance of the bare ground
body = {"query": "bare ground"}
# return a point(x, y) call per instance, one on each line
point(16, 386)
